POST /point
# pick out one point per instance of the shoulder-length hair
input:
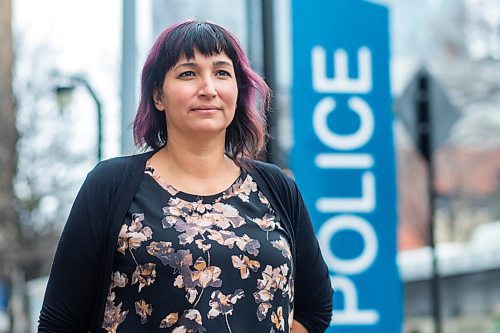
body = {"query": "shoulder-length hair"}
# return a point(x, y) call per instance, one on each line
point(247, 133)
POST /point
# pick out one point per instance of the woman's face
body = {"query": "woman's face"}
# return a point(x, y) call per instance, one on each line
point(198, 96)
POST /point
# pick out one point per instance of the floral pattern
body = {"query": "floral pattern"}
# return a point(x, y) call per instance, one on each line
point(272, 280)
point(144, 275)
point(113, 314)
point(243, 263)
point(201, 247)
point(131, 237)
point(190, 322)
point(223, 304)
point(283, 246)
point(144, 310)
point(169, 320)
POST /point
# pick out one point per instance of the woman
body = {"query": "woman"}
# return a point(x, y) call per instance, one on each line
point(194, 235)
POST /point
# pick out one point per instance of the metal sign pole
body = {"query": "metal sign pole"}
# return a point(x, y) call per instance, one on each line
point(424, 129)
point(270, 74)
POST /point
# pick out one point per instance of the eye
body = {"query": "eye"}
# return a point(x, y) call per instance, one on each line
point(222, 72)
point(186, 74)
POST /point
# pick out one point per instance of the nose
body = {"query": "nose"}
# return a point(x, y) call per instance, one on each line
point(208, 88)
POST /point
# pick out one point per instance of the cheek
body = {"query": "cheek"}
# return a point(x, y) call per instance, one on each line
point(235, 100)
point(232, 95)
point(176, 97)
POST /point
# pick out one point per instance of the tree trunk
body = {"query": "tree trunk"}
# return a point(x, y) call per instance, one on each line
point(9, 222)
point(9, 227)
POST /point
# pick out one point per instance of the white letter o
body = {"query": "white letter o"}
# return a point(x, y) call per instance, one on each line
point(348, 222)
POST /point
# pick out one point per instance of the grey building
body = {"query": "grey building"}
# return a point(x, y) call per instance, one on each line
point(469, 275)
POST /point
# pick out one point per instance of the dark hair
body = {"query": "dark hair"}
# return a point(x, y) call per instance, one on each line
point(246, 135)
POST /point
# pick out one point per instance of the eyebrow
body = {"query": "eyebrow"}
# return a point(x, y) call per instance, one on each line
point(219, 63)
point(222, 63)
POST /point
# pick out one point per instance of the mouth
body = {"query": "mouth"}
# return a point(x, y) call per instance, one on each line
point(206, 108)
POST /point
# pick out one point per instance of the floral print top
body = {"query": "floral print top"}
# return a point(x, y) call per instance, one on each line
point(187, 263)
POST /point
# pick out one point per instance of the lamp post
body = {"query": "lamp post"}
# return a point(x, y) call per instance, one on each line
point(63, 95)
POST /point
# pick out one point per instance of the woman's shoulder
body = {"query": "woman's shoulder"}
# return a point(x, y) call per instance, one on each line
point(266, 167)
point(115, 168)
point(273, 176)
point(110, 167)
point(271, 170)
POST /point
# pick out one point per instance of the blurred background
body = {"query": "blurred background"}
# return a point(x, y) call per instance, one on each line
point(69, 87)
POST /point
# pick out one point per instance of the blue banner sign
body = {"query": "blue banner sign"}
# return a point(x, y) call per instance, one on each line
point(343, 155)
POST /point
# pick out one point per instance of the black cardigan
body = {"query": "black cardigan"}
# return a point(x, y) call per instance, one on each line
point(75, 303)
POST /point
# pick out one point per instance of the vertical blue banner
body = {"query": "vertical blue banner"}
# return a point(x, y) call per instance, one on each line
point(343, 155)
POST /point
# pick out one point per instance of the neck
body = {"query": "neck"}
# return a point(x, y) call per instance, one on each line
point(195, 166)
point(200, 161)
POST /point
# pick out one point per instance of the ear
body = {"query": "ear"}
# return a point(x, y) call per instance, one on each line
point(158, 100)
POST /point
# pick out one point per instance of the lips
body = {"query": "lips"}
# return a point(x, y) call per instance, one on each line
point(206, 108)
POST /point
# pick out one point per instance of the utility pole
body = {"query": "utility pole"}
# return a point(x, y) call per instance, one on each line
point(425, 139)
point(128, 101)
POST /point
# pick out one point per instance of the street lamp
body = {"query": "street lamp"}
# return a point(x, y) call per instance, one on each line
point(64, 95)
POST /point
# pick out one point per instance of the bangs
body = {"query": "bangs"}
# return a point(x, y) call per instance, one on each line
point(203, 37)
